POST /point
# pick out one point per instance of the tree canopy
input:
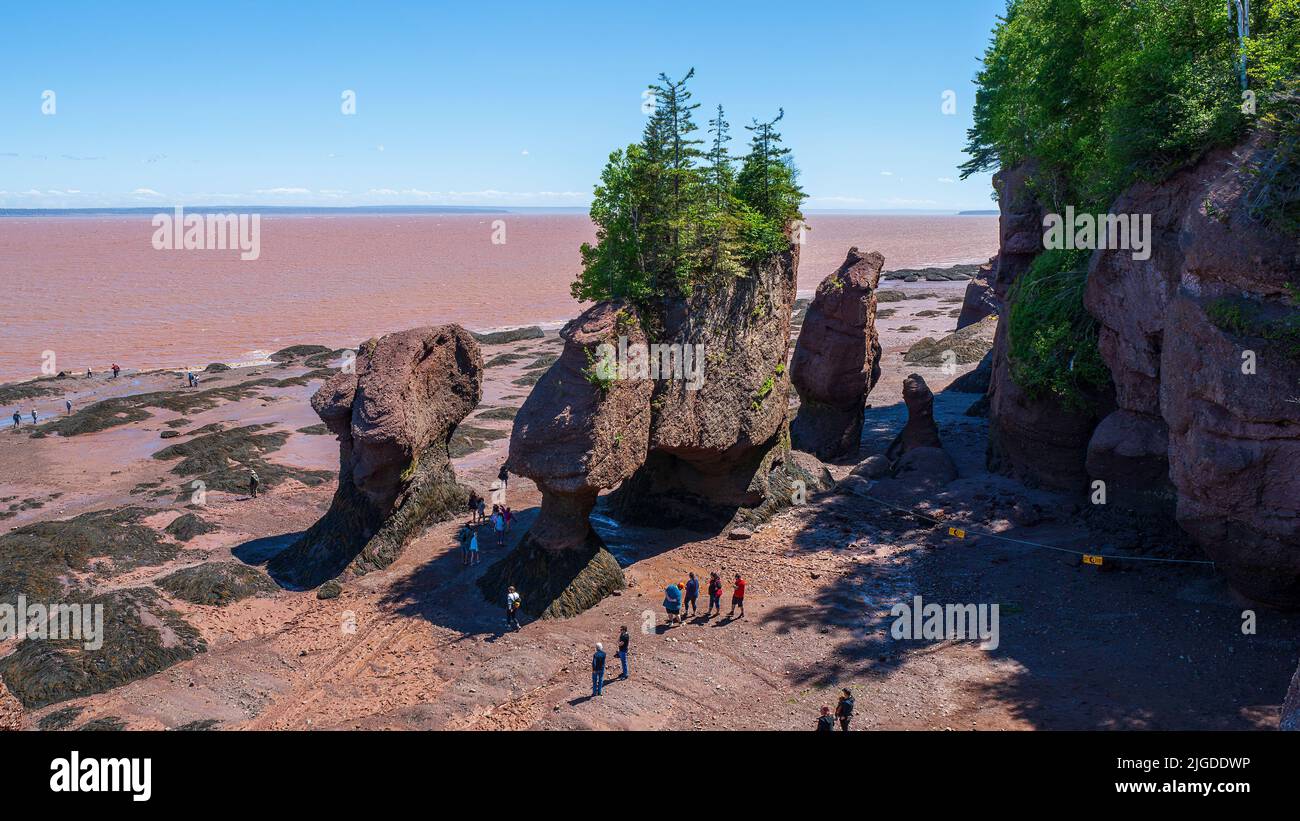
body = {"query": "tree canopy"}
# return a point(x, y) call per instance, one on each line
point(672, 211)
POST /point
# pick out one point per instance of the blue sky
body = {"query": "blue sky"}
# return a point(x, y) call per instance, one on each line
point(470, 103)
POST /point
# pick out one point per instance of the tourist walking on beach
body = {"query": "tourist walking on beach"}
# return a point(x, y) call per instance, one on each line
point(692, 596)
point(473, 547)
point(738, 597)
point(598, 669)
point(826, 723)
point(463, 538)
point(89, 373)
point(33, 416)
point(844, 709)
point(253, 482)
point(672, 603)
point(504, 476)
point(68, 403)
point(624, 639)
point(715, 594)
point(18, 419)
point(499, 526)
point(116, 370)
point(512, 608)
point(482, 509)
point(473, 507)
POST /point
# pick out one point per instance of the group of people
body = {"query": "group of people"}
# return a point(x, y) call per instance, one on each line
point(682, 599)
point(843, 713)
point(18, 418)
point(190, 378)
point(598, 661)
point(500, 521)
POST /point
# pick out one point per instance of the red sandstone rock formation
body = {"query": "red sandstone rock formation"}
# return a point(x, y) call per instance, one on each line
point(837, 358)
point(1222, 440)
point(393, 414)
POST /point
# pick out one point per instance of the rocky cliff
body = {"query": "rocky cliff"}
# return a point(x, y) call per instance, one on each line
point(1036, 439)
point(1203, 342)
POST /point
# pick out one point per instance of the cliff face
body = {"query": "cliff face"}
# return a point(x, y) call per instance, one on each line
point(1038, 440)
point(720, 456)
point(1201, 342)
point(393, 414)
point(837, 358)
point(1186, 335)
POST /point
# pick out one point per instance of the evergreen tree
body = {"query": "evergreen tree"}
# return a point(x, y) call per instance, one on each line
point(767, 182)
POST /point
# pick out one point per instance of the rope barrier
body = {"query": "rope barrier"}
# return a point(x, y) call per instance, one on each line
point(1088, 558)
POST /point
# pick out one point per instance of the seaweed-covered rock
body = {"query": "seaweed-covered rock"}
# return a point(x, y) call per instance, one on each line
point(394, 417)
point(222, 459)
point(216, 367)
point(961, 347)
point(45, 561)
point(298, 352)
point(329, 590)
point(554, 584)
point(187, 526)
point(511, 335)
point(141, 636)
point(216, 583)
point(837, 358)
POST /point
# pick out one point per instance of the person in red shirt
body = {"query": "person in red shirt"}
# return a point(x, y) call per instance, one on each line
point(738, 598)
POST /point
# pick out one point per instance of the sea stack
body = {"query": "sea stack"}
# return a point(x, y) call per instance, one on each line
point(837, 359)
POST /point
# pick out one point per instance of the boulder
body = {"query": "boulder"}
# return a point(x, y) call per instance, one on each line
point(837, 358)
point(1129, 451)
point(981, 299)
point(394, 414)
point(977, 380)
point(961, 347)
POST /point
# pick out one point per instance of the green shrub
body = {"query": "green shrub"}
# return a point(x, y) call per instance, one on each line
point(1053, 350)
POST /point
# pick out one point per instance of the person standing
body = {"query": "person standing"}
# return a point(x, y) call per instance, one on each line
point(253, 482)
point(482, 509)
point(624, 639)
point(826, 722)
point(844, 709)
point(116, 370)
point(509, 517)
point(473, 547)
point(672, 603)
point(33, 416)
point(18, 419)
point(504, 476)
point(692, 596)
point(463, 537)
point(512, 608)
point(499, 525)
point(737, 597)
point(715, 594)
point(598, 669)
point(68, 403)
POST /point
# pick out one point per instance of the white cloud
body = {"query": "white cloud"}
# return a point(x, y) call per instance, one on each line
point(146, 192)
point(946, 179)
point(280, 191)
